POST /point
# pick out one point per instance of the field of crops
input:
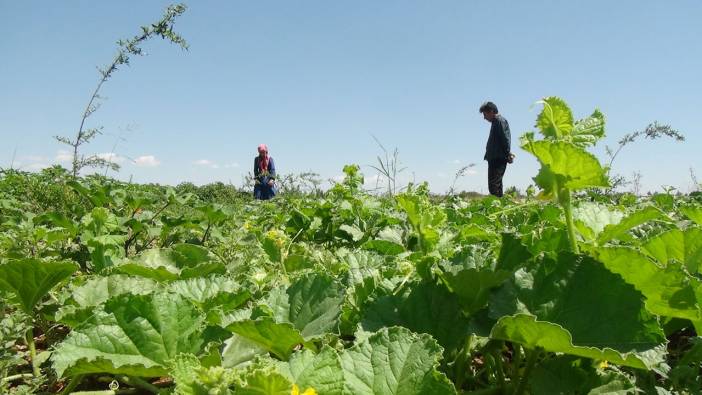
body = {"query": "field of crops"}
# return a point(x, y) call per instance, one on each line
point(118, 288)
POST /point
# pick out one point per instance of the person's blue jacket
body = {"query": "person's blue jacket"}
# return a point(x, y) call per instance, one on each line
point(498, 144)
point(262, 190)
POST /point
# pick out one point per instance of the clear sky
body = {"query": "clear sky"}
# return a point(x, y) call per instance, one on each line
point(316, 79)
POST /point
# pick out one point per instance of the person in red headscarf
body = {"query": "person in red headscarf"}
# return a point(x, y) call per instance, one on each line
point(264, 174)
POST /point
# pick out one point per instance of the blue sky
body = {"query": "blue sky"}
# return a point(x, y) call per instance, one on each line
point(315, 80)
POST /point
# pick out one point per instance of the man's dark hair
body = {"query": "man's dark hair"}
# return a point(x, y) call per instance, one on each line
point(488, 106)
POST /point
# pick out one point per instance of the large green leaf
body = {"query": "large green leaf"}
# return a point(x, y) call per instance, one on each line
point(669, 291)
point(634, 219)
point(592, 218)
point(394, 361)
point(566, 164)
point(29, 280)
point(555, 119)
point(239, 350)
point(693, 212)
point(425, 308)
point(533, 334)
point(210, 292)
point(387, 242)
point(676, 245)
point(312, 304)
point(513, 254)
point(96, 291)
point(384, 247)
point(179, 262)
point(473, 286)
point(278, 338)
point(135, 335)
point(597, 307)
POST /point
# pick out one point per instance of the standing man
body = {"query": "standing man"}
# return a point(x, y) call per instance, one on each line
point(497, 150)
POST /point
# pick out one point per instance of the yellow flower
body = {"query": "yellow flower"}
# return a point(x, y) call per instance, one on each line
point(603, 364)
point(308, 391)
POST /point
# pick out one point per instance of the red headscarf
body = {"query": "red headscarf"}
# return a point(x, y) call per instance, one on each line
point(263, 163)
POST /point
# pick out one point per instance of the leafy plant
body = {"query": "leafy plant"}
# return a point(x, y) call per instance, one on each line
point(565, 165)
point(28, 281)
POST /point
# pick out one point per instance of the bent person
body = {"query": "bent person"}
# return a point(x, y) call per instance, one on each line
point(497, 150)
point(264, 174)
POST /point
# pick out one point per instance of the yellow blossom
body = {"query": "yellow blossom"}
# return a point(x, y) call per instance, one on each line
point(308, 391)
point(603, 364)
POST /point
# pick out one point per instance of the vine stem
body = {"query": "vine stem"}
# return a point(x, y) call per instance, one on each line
point(16, 377)
point(564, 199)
point(531, 361)
point(33, 352)
point(140, 383)
point(75, 380)
point(461, 362)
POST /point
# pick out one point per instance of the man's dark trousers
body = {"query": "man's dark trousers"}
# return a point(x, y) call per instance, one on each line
point(496, 170)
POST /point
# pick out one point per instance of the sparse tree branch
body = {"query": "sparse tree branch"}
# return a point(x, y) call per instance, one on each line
point(126, 48)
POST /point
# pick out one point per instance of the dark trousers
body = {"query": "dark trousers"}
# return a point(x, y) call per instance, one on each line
point(496, 170)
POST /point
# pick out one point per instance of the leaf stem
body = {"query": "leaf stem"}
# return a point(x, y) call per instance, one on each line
point(139, 383)
point(461, 362)
point(16, 377)
point(33, 352)
point(515, 207)
point(533, 355)
point(75, 381)
point(516, 360)
point(564, 200)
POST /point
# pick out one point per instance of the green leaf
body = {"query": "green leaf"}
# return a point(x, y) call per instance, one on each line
point(278, 338)
point(556, 119)
point(693, 212)
point(211, 292)
point(239, 350)
point(676, 245)
point(589, 130)
point(265, 382)
point(618, 230)
point(321, 371)
point(595, 217)
point(29, 280)
point(668, 290)
point(533, 334)
point(384, 247)
point(513, 254)
point(98, 290)
point(169, 264)
point(473, 286)
point(394, 361)
point(136, 335)
point(425, 308)
point(312, 304)
point(566, 165)
point(354, 232)
point(597, 307)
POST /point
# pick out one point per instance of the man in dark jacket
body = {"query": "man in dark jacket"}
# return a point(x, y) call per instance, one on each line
point(497, 150)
